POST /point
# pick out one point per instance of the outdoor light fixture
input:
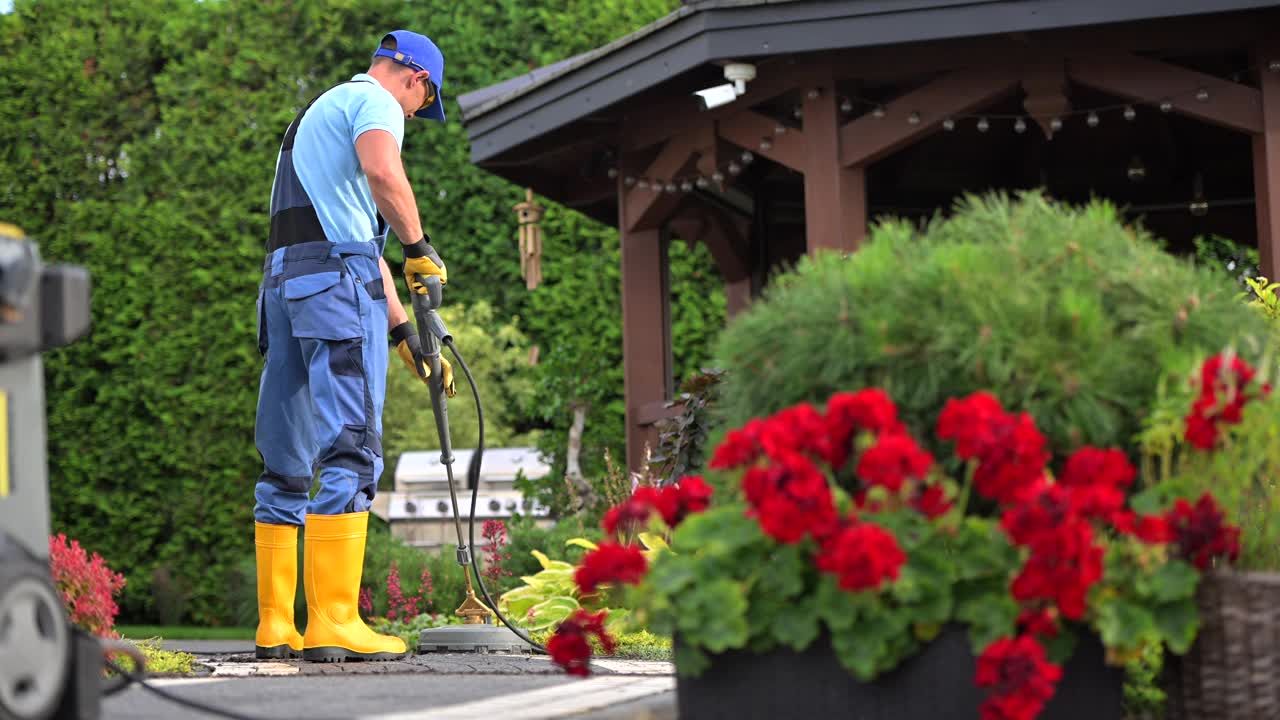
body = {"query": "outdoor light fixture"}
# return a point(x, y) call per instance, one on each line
point(737, 74)
point(1137, 171)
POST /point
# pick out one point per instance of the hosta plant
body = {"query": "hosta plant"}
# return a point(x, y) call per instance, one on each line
point(834, 521)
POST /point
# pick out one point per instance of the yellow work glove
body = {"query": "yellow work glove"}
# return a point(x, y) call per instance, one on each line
point(421, 259)
point(409, 348)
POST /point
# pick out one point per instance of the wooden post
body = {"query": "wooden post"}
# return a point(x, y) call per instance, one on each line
point(646, 333)
point(835, 197)
point(1266, 167)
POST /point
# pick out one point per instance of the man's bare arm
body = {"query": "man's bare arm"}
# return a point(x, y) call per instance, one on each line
point(380, 159)
point(395, 310)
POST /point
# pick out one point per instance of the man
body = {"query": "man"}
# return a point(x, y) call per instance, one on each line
point(326, 300)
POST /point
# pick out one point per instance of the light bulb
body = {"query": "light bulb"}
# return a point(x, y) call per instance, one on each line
point(629, 181)
point(1136, 171)
point(747, 157)
point(949, 124)
point(613, 173)
point(717, 177)
point(779, 129)
point(983, 125)
point(1165, 106)
point(766, 143)
point(734, 168)
point(913, 118)
point(846, 106)
point(1202, 95)
point(702, 182)
point(1093, 119)
point(1055, 124)
point(1129, 112)
point(642, 184)
point(671, 187)
point(686, 186)
point(798, 112)
point(878, 111)
point(1019, 126)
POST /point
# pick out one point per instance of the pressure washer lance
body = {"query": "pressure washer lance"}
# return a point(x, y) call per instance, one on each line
point(476, 634)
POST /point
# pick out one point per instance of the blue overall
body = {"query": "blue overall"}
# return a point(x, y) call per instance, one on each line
point(322, 328)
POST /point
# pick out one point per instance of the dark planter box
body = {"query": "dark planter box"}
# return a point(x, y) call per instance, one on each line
point(934, 684)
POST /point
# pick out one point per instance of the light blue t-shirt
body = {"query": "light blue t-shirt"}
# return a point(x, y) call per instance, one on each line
point(324, 155)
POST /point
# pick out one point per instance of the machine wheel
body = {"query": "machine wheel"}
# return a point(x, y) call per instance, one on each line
point(35, 643)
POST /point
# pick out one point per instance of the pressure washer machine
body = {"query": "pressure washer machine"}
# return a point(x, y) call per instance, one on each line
point(47, 668)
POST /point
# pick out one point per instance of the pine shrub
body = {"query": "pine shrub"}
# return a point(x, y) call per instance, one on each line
point(1065, 312)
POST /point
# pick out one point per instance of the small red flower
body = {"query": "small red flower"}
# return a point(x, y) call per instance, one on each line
point(1063, 565)
point(610, 563)
point(968, 421)
point(862, 555)
point(1090, 465)
point(570, 646)
point(1201, 532)
point(797, 429)
point(692, 494)
point(739, 447)
point(1039, 622)
point(790, 498)
point(892, 460)
point(633, 513)
point(848, 413)
point(1013, 460)
point(1222, 398)
point(931, 501)
point(1021, 677)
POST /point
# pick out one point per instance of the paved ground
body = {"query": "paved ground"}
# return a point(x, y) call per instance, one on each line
point(434, 686)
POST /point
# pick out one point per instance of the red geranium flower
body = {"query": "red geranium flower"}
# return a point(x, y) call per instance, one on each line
point(1149, 528)
point(1039, 622)
point(1062, 567)
point(739, 447)
point(968, 422)
point(797, 429)
point(790, 498)
point(1013, 460)
point(862, 555)
point(570, 647)
point(693, 495)
point(1201, 532)
point(633, 513)
point(931, 501)
point(892, 460)
point(610, 563)
point(1090, 465)
point(848, 413)
point(1222, 398)
point(1021, 676)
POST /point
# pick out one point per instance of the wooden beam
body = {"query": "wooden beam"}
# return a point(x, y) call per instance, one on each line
point(869, 138)
point(1045, 85)
point(835, 196)
point(1266, 166)
point(726, 239)
point(747, 128)
point(646, 333)
point(1229, 104)
point(655, 123)
point(647, 208)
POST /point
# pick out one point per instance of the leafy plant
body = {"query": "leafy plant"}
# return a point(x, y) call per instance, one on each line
point(837, 523)
point(682, 439)
point(1065, 312)
point(86, 585)
point(160, 662)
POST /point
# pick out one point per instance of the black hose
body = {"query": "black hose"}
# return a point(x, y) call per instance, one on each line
point(473, 479)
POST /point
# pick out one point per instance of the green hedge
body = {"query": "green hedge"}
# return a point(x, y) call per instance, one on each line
point(138, 137)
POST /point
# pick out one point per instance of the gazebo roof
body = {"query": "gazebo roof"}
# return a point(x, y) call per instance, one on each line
point(503, 117)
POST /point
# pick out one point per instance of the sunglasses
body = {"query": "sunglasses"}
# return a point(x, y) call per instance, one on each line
point(430, 99)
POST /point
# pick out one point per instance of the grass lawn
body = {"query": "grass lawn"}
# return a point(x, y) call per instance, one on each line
point(184, 632)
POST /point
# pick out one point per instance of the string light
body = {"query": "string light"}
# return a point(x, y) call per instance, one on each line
point(717, 177)
point(1129, 112)
point(613, 173)
point(766, 143)
point(878, 111)
point(1055, 124)
point(747, 157)
point(846, 106)
point(629, 181)
point(1202, 95)
point(913, 118)
point(1092, 120)
point(983, 125)
point(779, 129)
point(1165, 106)
point(949, 124)
point(1019, 126)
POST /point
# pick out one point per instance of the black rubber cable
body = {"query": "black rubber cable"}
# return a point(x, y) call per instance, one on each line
point(473, 478)
point(186, 702)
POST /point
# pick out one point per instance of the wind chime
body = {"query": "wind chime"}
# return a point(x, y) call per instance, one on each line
point(528, 213)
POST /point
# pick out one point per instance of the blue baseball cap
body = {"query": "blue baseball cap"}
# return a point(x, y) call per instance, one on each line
point(418, 52)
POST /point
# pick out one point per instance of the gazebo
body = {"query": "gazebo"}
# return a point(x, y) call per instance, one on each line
point(768, 129)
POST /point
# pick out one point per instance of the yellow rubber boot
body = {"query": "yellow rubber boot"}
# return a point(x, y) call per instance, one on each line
point(333, 561)
point(277, 554)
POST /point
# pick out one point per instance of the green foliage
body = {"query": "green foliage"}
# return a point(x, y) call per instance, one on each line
point(497, 354)
point(1242, 472)
point(159, 662)
point(526, 536)
point(550, 595)
point(682, 439)
point(1063, 312)
point(138, 139)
